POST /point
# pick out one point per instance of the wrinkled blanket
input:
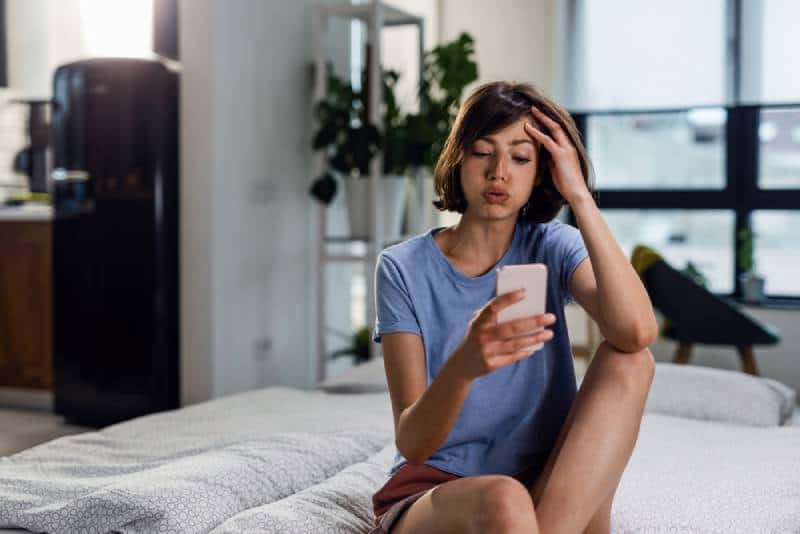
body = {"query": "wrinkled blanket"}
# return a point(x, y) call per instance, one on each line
point(192, 469)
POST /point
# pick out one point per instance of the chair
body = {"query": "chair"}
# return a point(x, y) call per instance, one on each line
point(695, 315)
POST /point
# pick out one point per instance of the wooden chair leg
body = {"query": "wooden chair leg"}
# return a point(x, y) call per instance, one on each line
point(748, 360)
point(683, 353)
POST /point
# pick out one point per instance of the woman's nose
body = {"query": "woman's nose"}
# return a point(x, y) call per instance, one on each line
point(498, 169)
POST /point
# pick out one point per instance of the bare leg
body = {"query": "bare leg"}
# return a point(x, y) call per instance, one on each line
point(479, 504)
point(595, 442)
point(601, 521)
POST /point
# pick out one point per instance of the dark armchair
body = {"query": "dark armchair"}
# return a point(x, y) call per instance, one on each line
point(695, 315)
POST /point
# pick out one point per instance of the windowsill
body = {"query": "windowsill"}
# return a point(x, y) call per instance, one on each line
point(789, 304)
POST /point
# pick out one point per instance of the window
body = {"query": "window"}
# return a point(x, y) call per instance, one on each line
point(779, 149)
point(776, 245)
point(681, 236)
point(631, 54)
point(693, 140)
point(683, 150)
point(770, 40)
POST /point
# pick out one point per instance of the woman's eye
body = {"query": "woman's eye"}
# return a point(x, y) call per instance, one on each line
point(485, 154)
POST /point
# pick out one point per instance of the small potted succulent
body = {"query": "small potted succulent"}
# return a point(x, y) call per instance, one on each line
point(359, 348)
point(750, 282)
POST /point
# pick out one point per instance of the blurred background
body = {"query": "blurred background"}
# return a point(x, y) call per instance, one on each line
point(176, 228)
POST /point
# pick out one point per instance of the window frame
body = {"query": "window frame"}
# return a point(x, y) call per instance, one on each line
point(741, 193)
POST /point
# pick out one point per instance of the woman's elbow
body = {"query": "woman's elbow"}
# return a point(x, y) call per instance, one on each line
point(644, 335)
point(635, 338)
point(411, 456)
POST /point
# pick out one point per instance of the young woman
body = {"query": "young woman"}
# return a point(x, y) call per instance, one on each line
point(489, 437)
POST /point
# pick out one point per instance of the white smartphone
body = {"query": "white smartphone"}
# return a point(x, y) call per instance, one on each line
point(532, 277)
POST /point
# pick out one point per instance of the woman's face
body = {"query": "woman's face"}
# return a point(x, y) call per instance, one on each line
point(498, 173)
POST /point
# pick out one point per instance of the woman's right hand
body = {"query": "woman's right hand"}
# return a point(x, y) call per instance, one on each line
point(489, 345)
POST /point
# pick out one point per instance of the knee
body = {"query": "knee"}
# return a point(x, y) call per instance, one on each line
point(505, 505)
point(634, 370)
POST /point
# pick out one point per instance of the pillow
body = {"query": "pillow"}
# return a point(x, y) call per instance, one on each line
point(721, 395)
point(369, 377)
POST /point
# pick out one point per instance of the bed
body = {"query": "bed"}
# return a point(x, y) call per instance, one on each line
point(288, 460)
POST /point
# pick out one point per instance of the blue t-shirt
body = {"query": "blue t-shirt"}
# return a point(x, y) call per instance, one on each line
point(512, 416)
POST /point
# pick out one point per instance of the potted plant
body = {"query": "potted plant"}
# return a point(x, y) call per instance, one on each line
point(359, 348)
point(750, 282)
point(446, 71)
point(395, 164)
point(352, 142)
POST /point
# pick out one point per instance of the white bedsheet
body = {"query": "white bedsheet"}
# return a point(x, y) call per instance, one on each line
point(689, 476)
point(685, 476)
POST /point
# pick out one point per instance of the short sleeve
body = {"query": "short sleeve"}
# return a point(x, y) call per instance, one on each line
point(393, 305)
point(570, 252)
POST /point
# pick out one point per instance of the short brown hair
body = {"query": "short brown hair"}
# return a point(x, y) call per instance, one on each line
point(489, 109)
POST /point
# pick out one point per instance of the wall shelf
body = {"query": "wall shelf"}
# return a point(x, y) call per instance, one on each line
point(376, 16)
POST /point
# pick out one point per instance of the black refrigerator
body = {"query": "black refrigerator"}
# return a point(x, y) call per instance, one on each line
point(115, 240)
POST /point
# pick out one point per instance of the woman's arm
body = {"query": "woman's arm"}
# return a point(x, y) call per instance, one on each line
point(607, 286)
point(424, 417)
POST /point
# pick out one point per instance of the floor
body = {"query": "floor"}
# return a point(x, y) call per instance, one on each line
point(22, 429)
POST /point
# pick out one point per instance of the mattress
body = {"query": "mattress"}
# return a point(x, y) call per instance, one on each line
point(310, 462)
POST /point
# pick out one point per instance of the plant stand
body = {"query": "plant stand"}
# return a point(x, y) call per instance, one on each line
point(376, 16)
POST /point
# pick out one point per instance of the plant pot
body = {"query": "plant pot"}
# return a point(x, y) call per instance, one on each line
point(357, 190)
point(752, 287)
point(392, 189)
point(422, 215)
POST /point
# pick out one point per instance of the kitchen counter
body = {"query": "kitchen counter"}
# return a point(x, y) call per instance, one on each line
point(26, 212)
point(26, 281)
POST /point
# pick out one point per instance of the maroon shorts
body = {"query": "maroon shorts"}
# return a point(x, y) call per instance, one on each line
point(410, 482)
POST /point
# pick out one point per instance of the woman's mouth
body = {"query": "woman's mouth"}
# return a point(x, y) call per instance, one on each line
point(495, 197)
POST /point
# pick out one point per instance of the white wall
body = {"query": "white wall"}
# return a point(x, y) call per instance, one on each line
point(514, 39)
point(198, 137)
point(248, 224)
point(40, 35)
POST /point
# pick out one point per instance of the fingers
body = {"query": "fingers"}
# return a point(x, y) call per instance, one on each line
point(488, 315)
point(520, 326)
point(542, 138)
point(518, 343)
point(520, 349)
point(553, 126)
point(501, 361)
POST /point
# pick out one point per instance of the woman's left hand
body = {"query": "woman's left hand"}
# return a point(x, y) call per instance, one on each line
point(565, 165)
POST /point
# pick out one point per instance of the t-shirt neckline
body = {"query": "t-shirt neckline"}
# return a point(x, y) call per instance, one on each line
point(458, 275)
